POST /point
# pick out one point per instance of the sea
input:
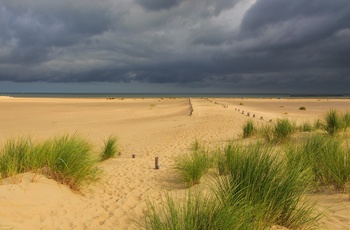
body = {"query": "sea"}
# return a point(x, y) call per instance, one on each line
point(171, 95)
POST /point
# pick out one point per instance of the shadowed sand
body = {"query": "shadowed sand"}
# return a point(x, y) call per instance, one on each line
point(146, 128)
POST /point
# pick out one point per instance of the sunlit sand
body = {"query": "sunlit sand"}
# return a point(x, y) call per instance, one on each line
point(146, 128)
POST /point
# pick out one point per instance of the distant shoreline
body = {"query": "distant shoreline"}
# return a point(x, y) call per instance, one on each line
point(170, 95)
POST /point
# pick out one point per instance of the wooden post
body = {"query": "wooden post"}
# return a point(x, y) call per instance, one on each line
point(156, 163)
point(133, 155)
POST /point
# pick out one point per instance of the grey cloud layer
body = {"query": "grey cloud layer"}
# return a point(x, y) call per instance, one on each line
point(227, 43)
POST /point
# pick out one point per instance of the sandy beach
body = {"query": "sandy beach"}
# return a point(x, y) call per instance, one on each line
point(148, 128)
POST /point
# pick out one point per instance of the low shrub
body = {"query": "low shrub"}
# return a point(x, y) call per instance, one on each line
point(302, 108)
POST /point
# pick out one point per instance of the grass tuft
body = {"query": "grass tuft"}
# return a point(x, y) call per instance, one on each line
point(326, 157)
point(195, 212)
point(192, 166)
point(346, 120)
point(71, 162)
point(15, 155)
point(110, 148)
point(333, 122)
point(306, 127)
point(248, 129)
point(283, 130)
point(66, 159)
point(276, 195)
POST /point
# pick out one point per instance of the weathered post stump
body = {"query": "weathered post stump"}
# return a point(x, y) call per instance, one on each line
point(156, 165)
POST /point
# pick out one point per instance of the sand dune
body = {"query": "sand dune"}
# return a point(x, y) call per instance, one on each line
point(146, 128)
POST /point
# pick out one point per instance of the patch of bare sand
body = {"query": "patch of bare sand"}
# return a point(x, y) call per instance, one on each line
point(146, 128)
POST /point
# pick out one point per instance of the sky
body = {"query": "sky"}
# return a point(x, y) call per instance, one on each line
point(169, 46)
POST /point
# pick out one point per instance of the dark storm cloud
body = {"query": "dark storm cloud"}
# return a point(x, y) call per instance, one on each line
point(35, 27)
point(158, 4)
point(238, 44)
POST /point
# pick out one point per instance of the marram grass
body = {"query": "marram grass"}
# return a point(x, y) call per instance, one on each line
point(110, 148)
point(67, 159)
point(257, 192)
point(276, 194)
point(196, 211)
point(248, 129)
point(327, 157)
point(192, 166)
point(71, 161)
point(333, 122)
point(15, 157)
point(283, 130)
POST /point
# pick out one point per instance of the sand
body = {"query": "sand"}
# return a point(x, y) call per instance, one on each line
point(148, 128)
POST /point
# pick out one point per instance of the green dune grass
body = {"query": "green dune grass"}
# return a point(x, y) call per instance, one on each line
point(66, 159)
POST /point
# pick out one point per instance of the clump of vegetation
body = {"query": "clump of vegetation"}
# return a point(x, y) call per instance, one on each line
point(267, 133)
point(248, 129)
point(326, 157)
point(70, 161)
point(279, 132)
point(192, 166)
point(306, 127)
point(195, 212)
point(262, 180)
point(318, 124)
point(283, 130)
point(152, 106)
point(66, 159)
point(302, 108)
point(110, 148)
point(333, 122)
point(346, 120)
point(257, 191)
point(16, 157)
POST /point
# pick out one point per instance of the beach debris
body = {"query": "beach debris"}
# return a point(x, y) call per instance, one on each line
point(156, 163)
point(133, 155)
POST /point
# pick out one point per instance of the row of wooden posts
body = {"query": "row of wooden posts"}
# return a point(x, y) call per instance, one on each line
point(226, 106)
point(248, 114)
point(217, 103)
